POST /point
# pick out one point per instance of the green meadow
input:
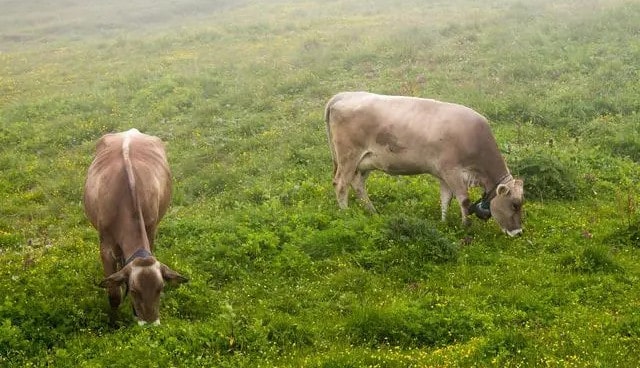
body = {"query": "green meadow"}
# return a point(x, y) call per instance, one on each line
point(279, 277)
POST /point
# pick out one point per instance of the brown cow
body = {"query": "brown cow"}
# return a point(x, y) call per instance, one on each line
point(127, 192)
point(405, 136)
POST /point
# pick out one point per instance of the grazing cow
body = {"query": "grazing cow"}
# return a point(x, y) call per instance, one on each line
point(127, 192)
point(406, 136)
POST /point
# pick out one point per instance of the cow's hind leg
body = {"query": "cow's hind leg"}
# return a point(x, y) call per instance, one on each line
point(358, 184)
point(341, 181)
point(445, 199)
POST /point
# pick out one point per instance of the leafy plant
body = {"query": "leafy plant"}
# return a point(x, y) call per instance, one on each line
point(547, 177)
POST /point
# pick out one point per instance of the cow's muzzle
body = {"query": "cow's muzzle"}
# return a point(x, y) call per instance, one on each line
point(154, 323)
point(512, 233)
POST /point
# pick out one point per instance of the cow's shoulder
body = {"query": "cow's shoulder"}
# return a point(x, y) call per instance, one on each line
point(108, 142)
point(141, 143)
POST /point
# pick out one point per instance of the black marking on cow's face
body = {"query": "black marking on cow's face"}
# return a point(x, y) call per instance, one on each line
point(386, 138)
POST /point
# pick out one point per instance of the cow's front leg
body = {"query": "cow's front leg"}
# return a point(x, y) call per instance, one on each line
point(445, 199)
point(110, 265)
point(454, 181)
point(464, 202)
point(151, 234)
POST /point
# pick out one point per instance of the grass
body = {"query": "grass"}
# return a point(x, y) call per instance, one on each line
point(278, 276)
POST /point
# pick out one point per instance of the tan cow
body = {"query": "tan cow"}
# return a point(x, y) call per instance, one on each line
point(407, 135)
point(127, 192)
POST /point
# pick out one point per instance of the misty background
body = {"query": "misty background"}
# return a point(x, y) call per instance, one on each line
point(48, 21)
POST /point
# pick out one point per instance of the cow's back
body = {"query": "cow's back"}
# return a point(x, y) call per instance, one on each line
point(369, 111)
point(408, 134)
point(108, 199)
point(152, 175)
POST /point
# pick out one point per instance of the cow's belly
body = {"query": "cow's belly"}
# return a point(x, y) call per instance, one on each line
point(394, 164)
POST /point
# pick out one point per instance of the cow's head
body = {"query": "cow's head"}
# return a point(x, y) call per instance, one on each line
point(145, 279)
point(506, 207)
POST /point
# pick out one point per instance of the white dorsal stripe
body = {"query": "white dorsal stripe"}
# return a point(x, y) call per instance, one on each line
point(126, 155)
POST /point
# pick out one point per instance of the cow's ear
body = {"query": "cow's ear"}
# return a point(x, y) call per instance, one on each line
point(115, 279)
point(172, 276)
point(502, 190)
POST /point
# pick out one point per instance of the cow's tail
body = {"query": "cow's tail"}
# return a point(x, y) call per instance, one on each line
point(327, 119)
point(131, 179)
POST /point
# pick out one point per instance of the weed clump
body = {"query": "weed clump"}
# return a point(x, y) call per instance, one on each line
point(504, 344)
point(629, 236)
point(407, 248)
point(10, 240)
point(418, 239)
point(592, 259)
point(547, 177)
point(339, 238)
point(411, 326)
point(630, 327)
point(284, 333)
point(628, 146)
point(12, 340)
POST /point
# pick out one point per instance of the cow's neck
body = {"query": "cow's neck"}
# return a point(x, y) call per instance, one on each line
point(496, 175)
point(134, 239)
point(495, 169)
point(494, 179)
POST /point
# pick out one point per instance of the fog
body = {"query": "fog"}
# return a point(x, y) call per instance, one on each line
point(45, 21)
point(34, 22)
